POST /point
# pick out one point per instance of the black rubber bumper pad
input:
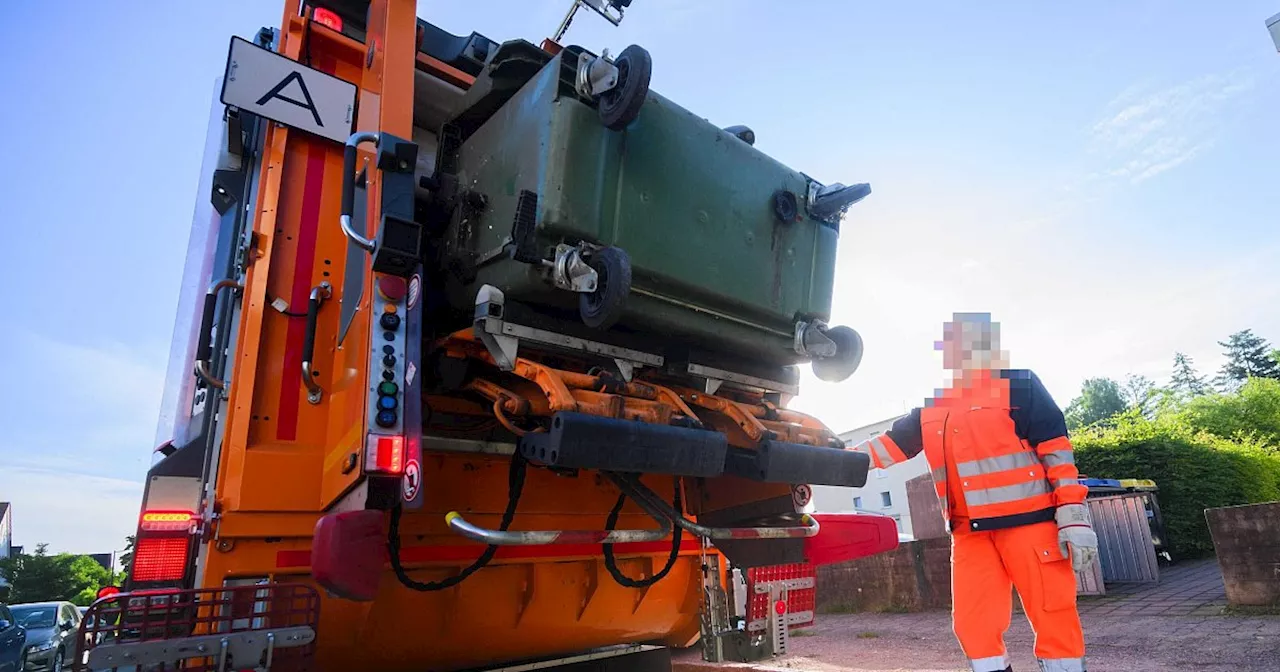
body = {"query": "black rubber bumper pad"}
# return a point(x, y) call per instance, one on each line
point(778, 462)
point(580, 441)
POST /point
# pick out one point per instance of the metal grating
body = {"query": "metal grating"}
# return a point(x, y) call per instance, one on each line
point(266, 627)
point(800, 582)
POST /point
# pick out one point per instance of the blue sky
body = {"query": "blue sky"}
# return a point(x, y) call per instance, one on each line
point(1101, 176)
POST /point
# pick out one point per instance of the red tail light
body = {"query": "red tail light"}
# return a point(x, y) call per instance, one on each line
point(160, 559)
point(163, 545)
point(384, 454)
point(327, 18)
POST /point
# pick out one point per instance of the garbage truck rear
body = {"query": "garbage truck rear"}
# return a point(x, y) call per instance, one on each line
point(483, 357)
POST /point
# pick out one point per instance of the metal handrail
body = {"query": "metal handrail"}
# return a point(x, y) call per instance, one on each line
point(349, 188)
point(651, 503)
point(204, 347)
point(458, 524)
point(318, 295)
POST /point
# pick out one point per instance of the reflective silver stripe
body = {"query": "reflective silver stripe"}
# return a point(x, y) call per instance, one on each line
point(1058, 457)
point(1066, 481)
point(1007, 493)
point(882, 453)
point(993, 664)
point(990, 465)
point(1060, 665)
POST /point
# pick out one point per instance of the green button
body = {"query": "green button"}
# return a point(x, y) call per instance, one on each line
point(388, 388)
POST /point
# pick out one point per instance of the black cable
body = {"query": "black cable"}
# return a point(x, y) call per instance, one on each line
point(286, 312)
point(677, 536)
point(515, 485)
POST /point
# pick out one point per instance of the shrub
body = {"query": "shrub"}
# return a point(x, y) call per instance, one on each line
point(1253, 412)
point(1194, 469)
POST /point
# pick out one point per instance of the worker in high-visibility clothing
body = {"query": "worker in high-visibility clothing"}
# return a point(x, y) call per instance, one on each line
point(1002, 466)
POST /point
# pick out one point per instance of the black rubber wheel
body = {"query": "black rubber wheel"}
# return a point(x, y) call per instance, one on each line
point(602, 308)
point(621, 105)
point(848, 356)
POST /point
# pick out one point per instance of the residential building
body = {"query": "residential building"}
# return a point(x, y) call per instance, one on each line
point(885, 491)
point(6, 533)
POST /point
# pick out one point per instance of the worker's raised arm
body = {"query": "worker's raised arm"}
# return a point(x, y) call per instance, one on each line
point(1041, 424)
point(901, 443)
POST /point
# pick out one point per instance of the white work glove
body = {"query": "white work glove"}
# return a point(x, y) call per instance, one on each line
point(1076, 538)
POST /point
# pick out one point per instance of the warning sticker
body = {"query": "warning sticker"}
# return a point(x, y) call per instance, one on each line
point(412, 481)
point(415, 290)
point(801, 495)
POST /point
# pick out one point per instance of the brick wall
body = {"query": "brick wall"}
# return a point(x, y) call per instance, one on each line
point(1247, 541)
point(913, 577)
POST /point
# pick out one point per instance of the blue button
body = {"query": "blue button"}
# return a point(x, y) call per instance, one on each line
point(386, 418)
point(387, 403)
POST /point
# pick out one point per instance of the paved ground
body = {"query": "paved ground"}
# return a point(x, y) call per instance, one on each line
point(1178, 624)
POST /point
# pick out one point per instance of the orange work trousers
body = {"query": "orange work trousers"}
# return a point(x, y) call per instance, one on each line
point(984, 567)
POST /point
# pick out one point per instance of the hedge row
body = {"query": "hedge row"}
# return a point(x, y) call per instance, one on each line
point(1194, 470)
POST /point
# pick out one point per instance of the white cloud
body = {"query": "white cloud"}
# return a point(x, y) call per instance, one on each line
point(1145, 133)
point(71, 512)
point(73, 470)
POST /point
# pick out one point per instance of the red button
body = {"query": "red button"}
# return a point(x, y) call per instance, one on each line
point(780, 607)
point(391, 288)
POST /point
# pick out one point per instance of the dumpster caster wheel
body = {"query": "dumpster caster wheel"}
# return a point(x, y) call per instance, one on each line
point(848, 356)
point(621, 105)
point(602, 308)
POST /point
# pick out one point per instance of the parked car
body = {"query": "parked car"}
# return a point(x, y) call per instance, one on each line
point(51, 632)
point(13, 642)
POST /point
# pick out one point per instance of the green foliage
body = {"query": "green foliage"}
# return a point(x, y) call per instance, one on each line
point(1248, 356)
point(1251, 413)
point(40, 577)
point(1100, 400)
point(1194, 469)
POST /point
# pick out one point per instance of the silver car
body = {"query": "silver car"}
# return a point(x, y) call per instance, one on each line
point(51, 633)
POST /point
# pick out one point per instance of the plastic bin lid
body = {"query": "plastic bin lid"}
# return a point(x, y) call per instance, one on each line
point(1092, 483)
point(1138, 484)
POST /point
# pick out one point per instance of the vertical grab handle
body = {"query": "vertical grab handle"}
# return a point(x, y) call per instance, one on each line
point(204, 344)
point(349, 187)
point(318, 296)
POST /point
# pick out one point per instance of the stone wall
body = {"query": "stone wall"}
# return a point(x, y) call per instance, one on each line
point(926, 512)
point(913, 577)
point(1247, 541)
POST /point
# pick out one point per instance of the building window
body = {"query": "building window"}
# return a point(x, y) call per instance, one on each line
point(857, 502)
point(886, 500)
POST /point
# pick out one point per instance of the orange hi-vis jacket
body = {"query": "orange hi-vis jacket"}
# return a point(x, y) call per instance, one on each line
point(997, 447)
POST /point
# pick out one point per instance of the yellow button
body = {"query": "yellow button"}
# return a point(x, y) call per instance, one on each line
point(389, 308)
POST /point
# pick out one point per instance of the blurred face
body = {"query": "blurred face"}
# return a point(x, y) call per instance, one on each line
point(969, 345)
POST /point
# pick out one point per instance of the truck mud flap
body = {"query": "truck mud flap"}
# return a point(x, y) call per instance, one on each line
point(581, 441)
point(778, 462)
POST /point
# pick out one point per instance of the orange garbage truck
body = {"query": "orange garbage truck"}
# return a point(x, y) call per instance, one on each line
point(482, 361)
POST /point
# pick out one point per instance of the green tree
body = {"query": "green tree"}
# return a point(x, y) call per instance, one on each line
point(1186, 383)
point(40, 577)
point(1100, 400)
point(1248, 356)
point(126, 557)
point(1141, 394)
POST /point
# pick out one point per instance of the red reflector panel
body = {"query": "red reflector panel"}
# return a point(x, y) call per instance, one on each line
point(160, 559)
point(385, 454)
point(800, 582)
point(327, 18)
point(166, 521)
